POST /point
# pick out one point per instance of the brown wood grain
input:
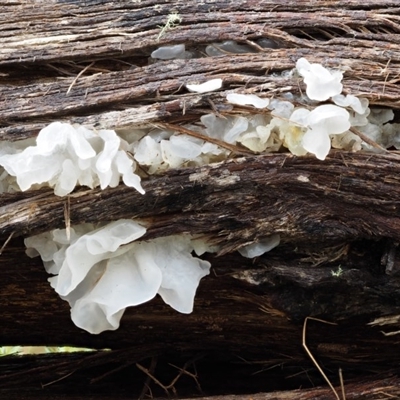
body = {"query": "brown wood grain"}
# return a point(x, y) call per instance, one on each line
point(43, 52)
point(349, 196)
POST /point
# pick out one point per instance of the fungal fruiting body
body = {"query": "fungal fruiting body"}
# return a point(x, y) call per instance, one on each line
point(209, 86)
point(321, 83)
point(101, 271)
point(65, 156)
point(169, 52)
point(317, 128)
point(258, 248)
point(247, 99)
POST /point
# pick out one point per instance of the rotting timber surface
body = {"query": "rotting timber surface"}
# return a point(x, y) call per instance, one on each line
point(245, 332)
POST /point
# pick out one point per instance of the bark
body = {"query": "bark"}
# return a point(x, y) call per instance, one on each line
point(43, 53)
point(338, 219)
point(308, 202)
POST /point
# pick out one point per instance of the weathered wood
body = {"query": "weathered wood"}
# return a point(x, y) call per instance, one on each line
point(65, 30)
point(346, 197)
point(162, 81)
point(41, 58)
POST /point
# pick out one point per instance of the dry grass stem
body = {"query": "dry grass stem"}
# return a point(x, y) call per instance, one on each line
point(312, 357)
point(57, 380)
point(78, 76)
point(181, 129)
point(342, 383)
point(6, 242)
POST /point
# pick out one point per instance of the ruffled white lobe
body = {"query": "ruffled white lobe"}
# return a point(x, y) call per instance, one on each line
point(260, 247)
point(319, 123)
point(65, 156)
point(247, 99)
point(103, 271)
point(209, 86)
point(321, 83)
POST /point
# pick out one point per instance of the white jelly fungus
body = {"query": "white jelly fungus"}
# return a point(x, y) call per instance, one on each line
point(161, 152)
point(65, 156)
point(209, 86)
point(247, 99)
point(102, 271)
point(360, 106)
point(260, 247)
point(318, 124)
point(321, 83)
point(169, 52)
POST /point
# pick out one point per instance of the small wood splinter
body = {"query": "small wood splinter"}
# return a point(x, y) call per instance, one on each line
point(67, 219)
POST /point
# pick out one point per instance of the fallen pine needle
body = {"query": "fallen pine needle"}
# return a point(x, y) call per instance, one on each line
point(312, 357)
point(6, 242)
point(79, 75)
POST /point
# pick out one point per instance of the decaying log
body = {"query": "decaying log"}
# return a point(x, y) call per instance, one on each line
point(338, 219)
point(348, 196)
point(40, 59)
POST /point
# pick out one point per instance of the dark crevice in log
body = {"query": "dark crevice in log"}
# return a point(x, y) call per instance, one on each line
point(101, 378)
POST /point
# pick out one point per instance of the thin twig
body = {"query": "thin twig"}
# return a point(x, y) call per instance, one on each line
point(181, 129)
point(184, 371)
point(112, 371)
point(214, 108)
point(312, 357)
point(368, 140)
point(57, 380)
point(155, 380)
point(58, 69)
point(386, 76)
point(6, 242)
point(342, 383)
point(146, 386)
point(181, 372)
point(79, 75)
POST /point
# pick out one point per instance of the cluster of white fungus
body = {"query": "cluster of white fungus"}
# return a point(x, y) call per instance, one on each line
point(65, 156)
point(102, 271)
point(318, 127)
point(161, 150)
point(178, 51)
